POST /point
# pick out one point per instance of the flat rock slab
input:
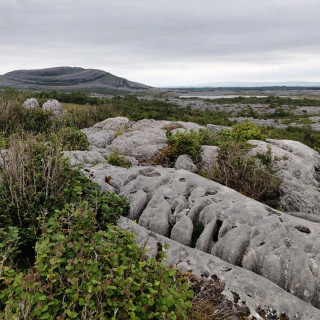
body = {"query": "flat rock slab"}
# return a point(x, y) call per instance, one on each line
point(254, 290)
point(142, 139)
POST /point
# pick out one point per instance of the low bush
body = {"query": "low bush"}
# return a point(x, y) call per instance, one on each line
point(188, 142)
point(116, 159)
point(303, 134)
point(246, 131)
point(82, 272)
point(73, 139)
point(37, 180)
point(254, 176)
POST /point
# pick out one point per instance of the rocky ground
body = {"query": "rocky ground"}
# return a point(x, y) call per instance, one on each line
point(241, 112)
point(267, 259)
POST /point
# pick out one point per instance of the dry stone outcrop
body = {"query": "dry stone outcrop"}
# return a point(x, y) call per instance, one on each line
point(53, 106)
point(142, 139)
point(280, 247)
point(277, 253)
point(249, 288)
point(31, 103)
point(185, 162)
point(299, 168)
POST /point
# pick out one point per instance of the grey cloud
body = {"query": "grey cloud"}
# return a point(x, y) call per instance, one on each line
point(148, 32)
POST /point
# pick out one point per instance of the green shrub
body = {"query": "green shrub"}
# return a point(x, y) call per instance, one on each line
point(37, 120)
point(9, 238)
point(305, 135)
point(37, 180)
point(254, 176)
point(188, 142)
point(117, 160)
point(83, 273)
point(247, 131)
point(73, 139)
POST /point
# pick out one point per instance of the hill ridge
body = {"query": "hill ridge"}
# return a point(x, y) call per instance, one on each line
point(68, 78)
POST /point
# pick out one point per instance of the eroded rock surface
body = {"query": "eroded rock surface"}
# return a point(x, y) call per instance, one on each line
point(299, 168)
point(185, 162)
point(280, 247)
point(53, 106)
point(142, 139)
point(31, 103)
point(283, 248)
point(250, 288)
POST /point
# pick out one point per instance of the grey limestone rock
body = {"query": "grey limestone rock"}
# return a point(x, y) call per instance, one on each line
point(156, 215)
point(214, 127)
point(103, 133)
point(142, 139)
point(251, 288)
point(53, 106)
point(138, 202)
point(186, 163)
point(78, 157)
point(209, 156)
point(182, 231)
point(245, 232)
point(279, 247)
point(206, 240)
point(31, 103)
point(299, 168)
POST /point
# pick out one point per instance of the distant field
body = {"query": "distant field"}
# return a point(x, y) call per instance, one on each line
point(75, 107)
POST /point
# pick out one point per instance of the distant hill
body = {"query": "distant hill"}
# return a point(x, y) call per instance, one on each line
point(70, 79)
point(239, 84)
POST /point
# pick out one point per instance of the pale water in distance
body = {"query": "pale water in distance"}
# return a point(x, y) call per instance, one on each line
point(222, 97)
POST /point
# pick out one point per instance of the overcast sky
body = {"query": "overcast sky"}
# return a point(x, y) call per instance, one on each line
point(166, 42)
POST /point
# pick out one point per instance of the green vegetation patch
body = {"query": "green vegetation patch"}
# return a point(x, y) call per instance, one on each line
point(116, 159)
point(60, 255)
point(83, 272)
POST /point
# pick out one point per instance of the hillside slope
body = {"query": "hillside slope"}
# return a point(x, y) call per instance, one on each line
point(68, 79)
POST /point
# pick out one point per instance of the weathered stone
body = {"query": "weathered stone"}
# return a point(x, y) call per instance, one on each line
point(278, 246)
point(138, 202)
point(209, 156)
point(53, 106)
point(31, 103)
point(214, 127)
point(144, 139)
point(299, 168)
point(156, 215)
point(103, 133)
point(182, 231)
point(141, 140)
point(186, 163)
point(251, 288)
point(205, 241)
point(77, 158)
point(263, 231)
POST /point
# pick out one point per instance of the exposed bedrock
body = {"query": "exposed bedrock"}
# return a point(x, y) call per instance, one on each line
point(299, 165)
point(281, 247)
point(277, 246)
point(142, 139)
point(249, 287)
point(299, 168)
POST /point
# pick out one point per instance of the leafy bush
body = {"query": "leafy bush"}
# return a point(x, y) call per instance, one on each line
point(247, 131)
point(188, 142)
point(37, 120)
point(117, 160)
point(73, 139)
point(37, 180)
point(254, 176)
point(84, 273)
point(303, 134)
